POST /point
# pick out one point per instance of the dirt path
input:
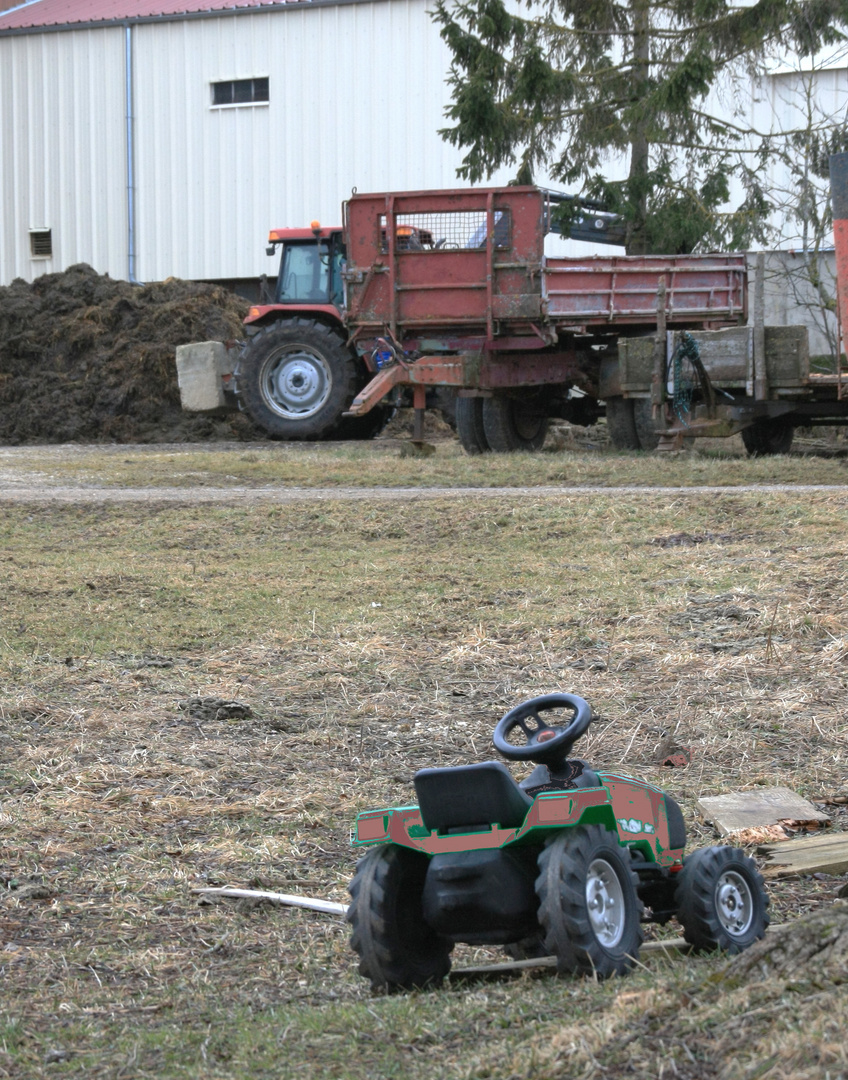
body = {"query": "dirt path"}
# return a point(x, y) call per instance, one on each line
point(26, 492)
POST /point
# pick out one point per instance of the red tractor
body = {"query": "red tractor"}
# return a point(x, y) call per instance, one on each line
point(298, 373)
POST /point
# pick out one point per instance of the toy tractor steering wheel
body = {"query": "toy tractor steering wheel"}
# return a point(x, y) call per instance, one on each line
point(545, 744)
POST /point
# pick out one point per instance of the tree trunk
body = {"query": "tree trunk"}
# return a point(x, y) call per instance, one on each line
point(636, 242)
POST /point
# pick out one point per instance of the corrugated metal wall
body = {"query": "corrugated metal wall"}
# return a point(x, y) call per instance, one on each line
point(62, 151)
point(357, 93)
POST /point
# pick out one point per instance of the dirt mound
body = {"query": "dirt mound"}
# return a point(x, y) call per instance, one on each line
point(815, 946)
point(83, 357)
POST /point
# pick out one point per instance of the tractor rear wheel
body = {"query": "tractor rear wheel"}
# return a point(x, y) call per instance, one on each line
point(721, 900)
point(469, 425)
point(397, 949)
point(513, 424)
point(296, 377)
point(621, 424)
point(767, 437)
point(588, 905)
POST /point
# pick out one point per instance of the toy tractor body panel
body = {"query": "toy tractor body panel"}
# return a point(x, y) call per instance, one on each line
point(636, 811)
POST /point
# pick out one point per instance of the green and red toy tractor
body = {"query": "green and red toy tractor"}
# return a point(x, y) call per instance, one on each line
point(568, 863)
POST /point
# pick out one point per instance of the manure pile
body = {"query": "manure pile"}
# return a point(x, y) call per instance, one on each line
point(86, 358)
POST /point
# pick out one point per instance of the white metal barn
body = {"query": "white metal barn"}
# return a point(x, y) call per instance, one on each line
point(152, 138)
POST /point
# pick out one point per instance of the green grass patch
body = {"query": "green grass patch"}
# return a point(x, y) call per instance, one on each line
point(369, 640)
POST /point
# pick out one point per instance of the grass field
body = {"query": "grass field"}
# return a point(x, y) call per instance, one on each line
point(361, 642)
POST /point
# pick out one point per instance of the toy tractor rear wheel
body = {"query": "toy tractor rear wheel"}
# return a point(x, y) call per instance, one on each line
point(721, 900)
point(588, 905)
point(397, 949)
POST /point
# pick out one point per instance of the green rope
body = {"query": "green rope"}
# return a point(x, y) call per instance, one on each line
point(687, 349)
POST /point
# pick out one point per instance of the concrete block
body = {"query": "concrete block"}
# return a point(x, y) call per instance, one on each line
point(200, 368)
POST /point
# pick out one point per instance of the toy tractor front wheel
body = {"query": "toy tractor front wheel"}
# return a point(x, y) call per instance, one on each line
point(721, 900)
point(397, 949)
point(588, 907)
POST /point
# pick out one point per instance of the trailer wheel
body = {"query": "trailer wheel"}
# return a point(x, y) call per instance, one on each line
point(396, 947)
point(766, 437)
point(645, 426)
point(363, 427)
point(721, 900)
point(621, 424)
point(512, 424)
point(469, 425)
point(588, 905)
point(296, 378)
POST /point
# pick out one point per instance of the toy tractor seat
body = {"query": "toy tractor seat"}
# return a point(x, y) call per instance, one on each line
point(470, 797)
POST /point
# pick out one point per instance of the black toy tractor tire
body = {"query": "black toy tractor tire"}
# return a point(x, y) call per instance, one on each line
point(721, 900)
point(646, 427)
point(295, 378)
point(621, 424)
point(768, 437)
point(469, 425)
point(512, 424)
point(588, 906)
point(397, 949)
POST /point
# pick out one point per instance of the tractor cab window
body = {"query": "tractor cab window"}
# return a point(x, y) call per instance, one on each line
point(310, 273)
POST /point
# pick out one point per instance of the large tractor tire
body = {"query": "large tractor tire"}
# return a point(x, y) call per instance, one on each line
point(469, 425)
point(621, 424)
point(397, 949)
point(767, 437)
point(296, 377)
point(512, 424)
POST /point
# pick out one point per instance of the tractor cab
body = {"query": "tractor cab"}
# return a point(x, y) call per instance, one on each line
point(313, 259)
point(310, 266)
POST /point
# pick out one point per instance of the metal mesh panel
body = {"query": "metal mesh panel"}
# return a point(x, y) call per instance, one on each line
point(459, 230)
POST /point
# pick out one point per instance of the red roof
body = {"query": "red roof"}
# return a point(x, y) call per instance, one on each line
point(70, 12)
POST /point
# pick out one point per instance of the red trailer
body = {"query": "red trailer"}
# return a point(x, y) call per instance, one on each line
point(452, 291)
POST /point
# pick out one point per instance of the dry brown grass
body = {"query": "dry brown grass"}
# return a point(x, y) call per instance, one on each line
point(368, 641)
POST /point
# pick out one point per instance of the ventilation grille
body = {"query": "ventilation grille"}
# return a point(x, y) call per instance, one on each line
point(41, 243)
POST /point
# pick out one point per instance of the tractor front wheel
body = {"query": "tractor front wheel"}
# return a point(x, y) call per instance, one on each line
point(721, 900)
point(588, 905)
point(296, 377)
point(397, 949)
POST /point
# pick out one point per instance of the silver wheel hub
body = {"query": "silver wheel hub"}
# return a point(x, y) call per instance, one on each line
point(734, 903)
point(297, 383)
point(605, 903)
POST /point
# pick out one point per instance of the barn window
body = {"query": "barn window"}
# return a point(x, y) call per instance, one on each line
point(41, 243)
point(240, 92)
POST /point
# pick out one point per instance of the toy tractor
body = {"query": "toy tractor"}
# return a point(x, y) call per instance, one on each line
point(568, 863)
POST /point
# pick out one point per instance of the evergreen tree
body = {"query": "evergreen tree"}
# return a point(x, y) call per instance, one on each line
point(567, 85)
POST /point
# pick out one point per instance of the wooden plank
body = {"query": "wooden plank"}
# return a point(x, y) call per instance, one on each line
point(763, 806)
point(807, 855)
point(669, 946)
